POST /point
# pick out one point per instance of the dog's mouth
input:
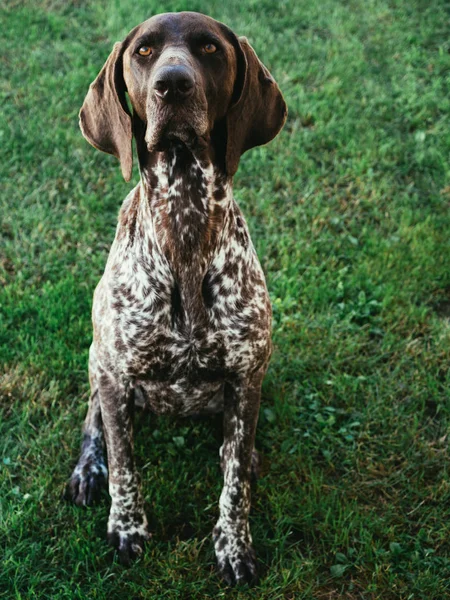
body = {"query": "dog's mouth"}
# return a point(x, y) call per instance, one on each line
point(174, 135)
point(174, 124)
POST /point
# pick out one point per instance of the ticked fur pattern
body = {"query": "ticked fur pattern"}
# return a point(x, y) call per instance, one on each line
point(182, 324)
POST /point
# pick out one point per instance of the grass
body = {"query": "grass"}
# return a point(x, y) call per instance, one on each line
point(349, 211)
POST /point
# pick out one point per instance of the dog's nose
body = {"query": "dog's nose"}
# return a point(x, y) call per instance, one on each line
point(174, 82)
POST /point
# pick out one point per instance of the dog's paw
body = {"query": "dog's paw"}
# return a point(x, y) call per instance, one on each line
point(130, 543)
point(87, 481)
point(236, 559)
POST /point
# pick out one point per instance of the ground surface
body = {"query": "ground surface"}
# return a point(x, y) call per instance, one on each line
point(349, 211)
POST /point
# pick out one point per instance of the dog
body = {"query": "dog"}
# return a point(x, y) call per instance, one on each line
point(181, 316)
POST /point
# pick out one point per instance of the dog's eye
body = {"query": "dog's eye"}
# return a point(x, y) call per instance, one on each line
point(209, 48)
point(145, 51)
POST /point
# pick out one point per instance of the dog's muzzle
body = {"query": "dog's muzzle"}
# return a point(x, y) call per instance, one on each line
point(174, 83)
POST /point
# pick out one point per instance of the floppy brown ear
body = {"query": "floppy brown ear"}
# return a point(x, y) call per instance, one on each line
point(104, 117)
point(258, 113)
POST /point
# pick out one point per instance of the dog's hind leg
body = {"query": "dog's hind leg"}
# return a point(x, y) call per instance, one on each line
point(90, 475)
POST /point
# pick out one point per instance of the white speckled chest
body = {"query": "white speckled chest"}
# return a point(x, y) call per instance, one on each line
point(182, 306)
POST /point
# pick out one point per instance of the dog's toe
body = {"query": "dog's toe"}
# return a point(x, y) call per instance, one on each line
point(236, 559)
point(129, 546)
point(240, 569)
point(86, 483)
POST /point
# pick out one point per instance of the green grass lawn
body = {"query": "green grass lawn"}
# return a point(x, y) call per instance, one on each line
point(349, 212)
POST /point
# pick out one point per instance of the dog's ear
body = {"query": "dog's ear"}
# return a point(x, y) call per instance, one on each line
point(105, 120)
point(258, 110)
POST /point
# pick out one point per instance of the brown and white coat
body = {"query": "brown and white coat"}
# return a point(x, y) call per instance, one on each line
point(181, 316)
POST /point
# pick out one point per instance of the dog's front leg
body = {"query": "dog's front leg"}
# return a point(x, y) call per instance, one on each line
point(127, 524)
point(232, 540)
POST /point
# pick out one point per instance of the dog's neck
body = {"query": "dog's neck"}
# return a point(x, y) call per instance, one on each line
point(189, 199)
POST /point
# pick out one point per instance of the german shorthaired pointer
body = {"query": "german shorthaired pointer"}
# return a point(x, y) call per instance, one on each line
point(181, 316)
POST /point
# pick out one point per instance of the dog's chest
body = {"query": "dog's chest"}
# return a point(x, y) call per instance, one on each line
point(180, 325)
point(163, 328)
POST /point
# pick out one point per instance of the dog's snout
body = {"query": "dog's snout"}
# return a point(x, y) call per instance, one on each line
point(172, 82)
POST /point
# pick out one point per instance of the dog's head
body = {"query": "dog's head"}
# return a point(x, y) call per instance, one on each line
point(186, 76)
